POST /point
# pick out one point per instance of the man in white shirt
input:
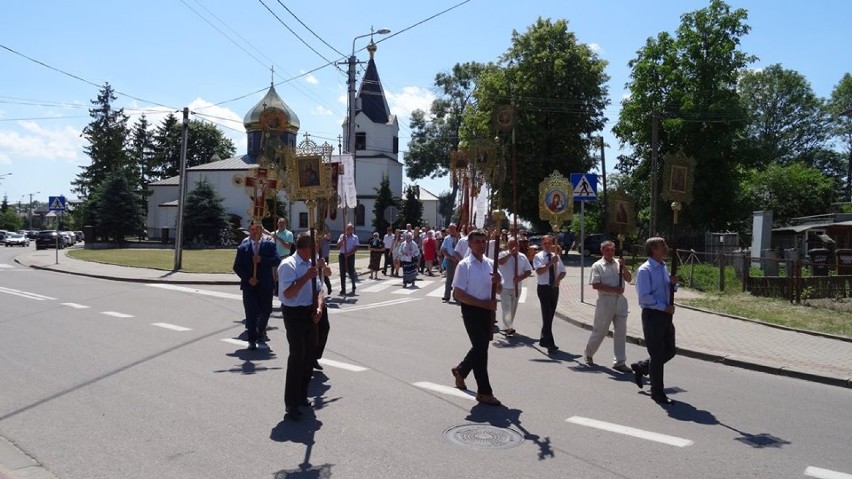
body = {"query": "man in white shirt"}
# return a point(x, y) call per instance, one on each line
point(348, 245)
point(448, 249)
point(549, 272)
point(608, 277)
point(514, 268)
point(472, 288)
point(388, 241)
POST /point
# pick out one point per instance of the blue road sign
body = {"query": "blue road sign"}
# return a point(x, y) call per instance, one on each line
point(56, 203)
point(585, 186)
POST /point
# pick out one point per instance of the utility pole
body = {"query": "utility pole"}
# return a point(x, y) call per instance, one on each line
point(603, 178)
point(182, 182)
point(655, 145)
point(30, 211)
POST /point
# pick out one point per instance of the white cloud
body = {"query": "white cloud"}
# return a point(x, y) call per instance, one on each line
point(596, 48)
point(41, 143)
point(322, 111)
point(311, 79)
point(409, 99)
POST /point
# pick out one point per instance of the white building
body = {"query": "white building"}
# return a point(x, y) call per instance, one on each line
point(376, 155)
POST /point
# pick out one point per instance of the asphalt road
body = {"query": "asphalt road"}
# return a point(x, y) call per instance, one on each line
point(92, 388)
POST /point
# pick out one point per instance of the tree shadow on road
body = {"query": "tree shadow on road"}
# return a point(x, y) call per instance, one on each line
point(501, 416)
point(683, 411)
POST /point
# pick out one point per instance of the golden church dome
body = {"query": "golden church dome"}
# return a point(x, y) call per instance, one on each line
point(271, 101)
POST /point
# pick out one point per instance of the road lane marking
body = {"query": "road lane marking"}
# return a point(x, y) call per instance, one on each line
point(238, 342)
point(115, 314)
point(440, 388)
point(173, 327)
point(392, 302)
point(342, 365)
point(821, 473)
point(523, 297)
point(630, 431)
point(204, 292)
point(25, 294)
point(3, 265)
point(377, 287)
point(75, 305)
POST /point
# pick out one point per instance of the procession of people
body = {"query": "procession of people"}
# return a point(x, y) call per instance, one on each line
point(295, 269)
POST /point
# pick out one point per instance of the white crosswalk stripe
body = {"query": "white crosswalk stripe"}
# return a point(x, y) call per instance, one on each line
point(25, 294)
point(436, 293)
point(3, 265)
point(377, 287)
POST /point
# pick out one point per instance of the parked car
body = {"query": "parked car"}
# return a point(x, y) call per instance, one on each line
point(48, 239)
point(70, 237)
point(591, 244)
point(3, 234)
point(79, 235)
point(17, 239)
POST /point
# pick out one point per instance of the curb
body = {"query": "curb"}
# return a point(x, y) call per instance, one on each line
point(729, 361)
point(131, 280)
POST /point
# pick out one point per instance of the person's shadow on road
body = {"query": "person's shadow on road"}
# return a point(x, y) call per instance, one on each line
point(501, 416)
point(683, 411)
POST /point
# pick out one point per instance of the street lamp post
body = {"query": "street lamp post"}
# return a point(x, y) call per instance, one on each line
point(350, 132)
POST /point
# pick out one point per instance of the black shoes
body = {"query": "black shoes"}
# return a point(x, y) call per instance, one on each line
point(317, 366)
point(662, 400)
point(252, 346)
point(263, 338)
point(342, 292)
point(637, 374)
point(622, 368)
point(292, 412)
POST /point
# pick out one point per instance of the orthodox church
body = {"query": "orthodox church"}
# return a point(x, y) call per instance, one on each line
point(376, 153)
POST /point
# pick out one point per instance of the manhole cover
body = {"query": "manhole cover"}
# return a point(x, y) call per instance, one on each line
point(481, 436)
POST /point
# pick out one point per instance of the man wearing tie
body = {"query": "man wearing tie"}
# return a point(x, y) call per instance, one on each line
point(549, 272)
point(256, 258)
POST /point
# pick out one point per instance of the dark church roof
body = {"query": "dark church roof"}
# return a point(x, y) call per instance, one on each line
point(371, 93)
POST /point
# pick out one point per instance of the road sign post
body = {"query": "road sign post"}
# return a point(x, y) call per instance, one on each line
point(585, 189)
point(57, 204)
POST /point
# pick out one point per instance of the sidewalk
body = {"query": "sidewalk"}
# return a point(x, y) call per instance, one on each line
point(717, 338)
point(702, 335)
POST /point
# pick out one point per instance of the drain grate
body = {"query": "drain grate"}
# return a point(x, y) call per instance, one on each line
point(483, 436)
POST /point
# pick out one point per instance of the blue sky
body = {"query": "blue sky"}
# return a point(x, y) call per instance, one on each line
point(195, 53)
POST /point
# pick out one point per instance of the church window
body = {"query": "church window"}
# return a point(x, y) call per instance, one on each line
point(395, 145)
point(303, 220)
point(360, 213)
point(360, 140)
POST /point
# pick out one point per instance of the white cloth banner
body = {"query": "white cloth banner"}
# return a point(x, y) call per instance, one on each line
point(480, 207)
point(346, 182)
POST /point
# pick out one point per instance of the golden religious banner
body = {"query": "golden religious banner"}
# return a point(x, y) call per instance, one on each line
point(678, 180)
point(556, 200)
point(308, 176)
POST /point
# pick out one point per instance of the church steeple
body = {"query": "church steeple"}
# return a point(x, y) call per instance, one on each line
point(371, 94)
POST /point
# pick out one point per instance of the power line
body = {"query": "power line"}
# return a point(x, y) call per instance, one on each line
point(43, 118)
point(298, 37)
point(76, 77)
point(309, 29)
point(421, 22)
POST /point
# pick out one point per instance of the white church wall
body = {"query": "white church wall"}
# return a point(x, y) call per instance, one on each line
point(157, 217)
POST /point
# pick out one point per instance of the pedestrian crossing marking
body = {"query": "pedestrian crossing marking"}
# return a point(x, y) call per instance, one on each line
point(821, 473)
point(341, 365)
point(413, 289)
point(630, 431)
point(437, 293)
point(173, 327)
point(75, 305)
point(116, 314)
point(377, 287)
point(24, 294)
point(3, 265)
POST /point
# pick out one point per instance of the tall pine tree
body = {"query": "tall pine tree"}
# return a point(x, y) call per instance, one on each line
point(204, 141)
point(384, 199)
point(107, 136)
point(412, 208)
point(141, 150)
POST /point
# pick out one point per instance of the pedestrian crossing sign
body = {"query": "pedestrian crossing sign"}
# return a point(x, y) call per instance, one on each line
point(585, 186)
point(56, 203)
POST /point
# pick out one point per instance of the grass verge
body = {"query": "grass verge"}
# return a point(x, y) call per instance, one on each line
point(194, 260)
point(824, 318)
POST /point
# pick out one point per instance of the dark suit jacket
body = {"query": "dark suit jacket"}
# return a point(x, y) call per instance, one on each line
point(269, 259)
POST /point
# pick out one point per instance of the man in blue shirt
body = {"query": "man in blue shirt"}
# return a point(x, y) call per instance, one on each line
point(653, 286)
point(296, 285)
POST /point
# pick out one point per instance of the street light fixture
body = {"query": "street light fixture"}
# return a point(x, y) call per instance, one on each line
point(30, 210)
point(5, 175)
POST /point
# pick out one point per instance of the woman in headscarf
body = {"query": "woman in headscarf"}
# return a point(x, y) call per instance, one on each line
point(377, 250)
point(398, 240)
point(408, 256)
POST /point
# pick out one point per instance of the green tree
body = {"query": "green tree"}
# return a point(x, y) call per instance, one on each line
point(204, 215)
point(412, 208)
point(786, 121)
point(116, 209)
point(10, 220)
point(789, 191)
point(107, 135)
point(434, 136)
point(204, 140)
point(688, 81)
point(558, 87)
point(141, 150)
point(384, 199)
point(840, 107)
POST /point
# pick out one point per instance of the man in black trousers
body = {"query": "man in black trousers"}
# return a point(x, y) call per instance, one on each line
point(653, 286)
point(472, 288)
point(296, 290)
point(256, 258)
point(549, 272)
